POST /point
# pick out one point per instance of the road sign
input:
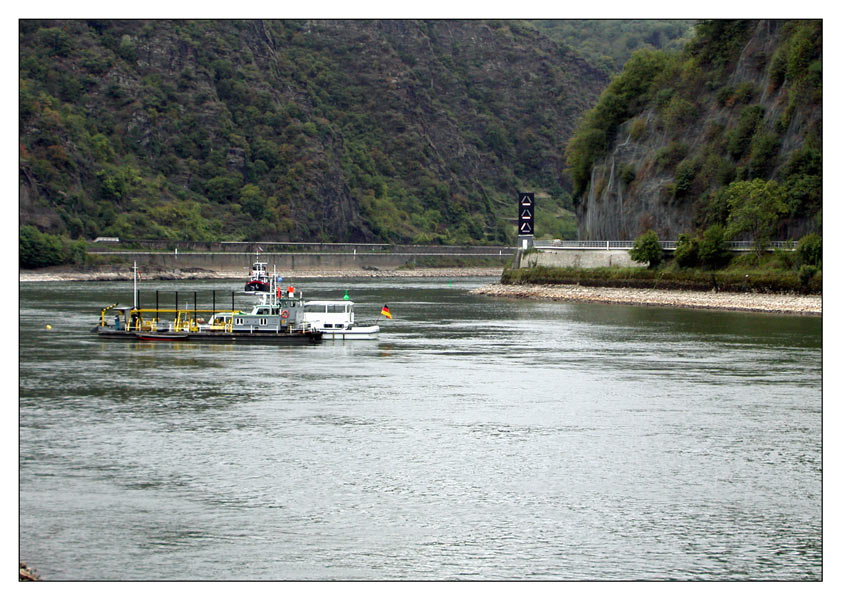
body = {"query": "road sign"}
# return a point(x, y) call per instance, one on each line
point(525, 222)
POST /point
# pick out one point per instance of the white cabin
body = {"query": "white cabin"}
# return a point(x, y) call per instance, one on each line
point(336, 320)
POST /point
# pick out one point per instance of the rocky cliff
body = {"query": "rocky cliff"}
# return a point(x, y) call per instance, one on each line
point(742, 102)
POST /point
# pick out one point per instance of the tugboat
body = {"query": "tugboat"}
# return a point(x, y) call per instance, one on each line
point(258, 281)
point(277, 318)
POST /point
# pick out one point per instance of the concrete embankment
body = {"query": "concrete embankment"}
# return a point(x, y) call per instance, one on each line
point(151, 273)
point(752, 302)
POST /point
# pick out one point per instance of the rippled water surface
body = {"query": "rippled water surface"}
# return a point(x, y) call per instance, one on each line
point(477, 439)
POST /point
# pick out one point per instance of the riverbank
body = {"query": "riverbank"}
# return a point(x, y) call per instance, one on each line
point(125, 273)
point(751, 302)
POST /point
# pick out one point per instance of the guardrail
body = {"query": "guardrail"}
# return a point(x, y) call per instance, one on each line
point(101, 246)
point(735, 246)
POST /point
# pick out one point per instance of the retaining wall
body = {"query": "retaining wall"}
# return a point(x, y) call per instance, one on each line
point(579, 258)
point(286, 261)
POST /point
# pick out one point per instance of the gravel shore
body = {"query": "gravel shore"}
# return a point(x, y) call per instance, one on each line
point(125, 274)
point(753, 302)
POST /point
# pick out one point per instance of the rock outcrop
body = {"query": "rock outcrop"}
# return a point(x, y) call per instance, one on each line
point(695, 136)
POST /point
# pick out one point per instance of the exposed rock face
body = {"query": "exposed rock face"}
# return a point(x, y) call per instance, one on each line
point(631, 190)
point(616, 210)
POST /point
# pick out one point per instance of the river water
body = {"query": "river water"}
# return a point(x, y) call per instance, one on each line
point(479, 438)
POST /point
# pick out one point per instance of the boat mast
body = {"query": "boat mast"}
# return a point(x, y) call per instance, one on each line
point(135, 283)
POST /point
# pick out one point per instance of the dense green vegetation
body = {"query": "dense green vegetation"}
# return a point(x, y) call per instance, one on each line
point(609, 43)
point(734, 130)
point(393, 131)
point(411, 131)
point(627, 94)
point(733, 280)
point(37, 249)
point(697, 263)
point(781, 271)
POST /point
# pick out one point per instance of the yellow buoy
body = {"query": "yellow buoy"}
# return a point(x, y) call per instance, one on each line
point(49, 326)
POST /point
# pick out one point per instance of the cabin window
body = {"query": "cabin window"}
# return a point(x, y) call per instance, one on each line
point(238, 321)
point(264, 321)
point(335, 308)
point(262, 311)
point(328, 326)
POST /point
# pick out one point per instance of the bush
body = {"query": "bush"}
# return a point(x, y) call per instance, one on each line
point(40, 249)
point(756, 207)
point(671, 155)
point(712, 248)
point(684, 176)
point(627, 174)
point(739, 138)
point(805, 275)
point(686, 251)
point(679, 112)
point(647, 249)
point(637, 129)
point(810, 250)
point(763, 153)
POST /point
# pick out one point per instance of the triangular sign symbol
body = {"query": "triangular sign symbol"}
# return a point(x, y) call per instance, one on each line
point(525, 201)
point(526, 214)
point(526, 228)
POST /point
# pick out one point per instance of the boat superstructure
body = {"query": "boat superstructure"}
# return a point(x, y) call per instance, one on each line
point(335, 319)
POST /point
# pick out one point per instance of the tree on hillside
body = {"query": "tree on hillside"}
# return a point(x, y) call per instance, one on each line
point(755, 209)
point(712, 248)
point(647, 249)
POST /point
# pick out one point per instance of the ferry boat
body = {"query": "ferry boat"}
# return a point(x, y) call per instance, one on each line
point(277, 318)
point(335, 320)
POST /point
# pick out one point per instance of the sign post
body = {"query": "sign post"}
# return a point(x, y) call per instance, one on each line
point(525, 221)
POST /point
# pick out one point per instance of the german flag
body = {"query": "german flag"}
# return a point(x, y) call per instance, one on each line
point(386, 312)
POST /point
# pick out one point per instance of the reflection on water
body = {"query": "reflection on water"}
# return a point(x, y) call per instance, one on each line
point(478, 438)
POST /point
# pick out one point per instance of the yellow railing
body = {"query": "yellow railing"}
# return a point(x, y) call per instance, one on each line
point(102, 315)
point(186, 319)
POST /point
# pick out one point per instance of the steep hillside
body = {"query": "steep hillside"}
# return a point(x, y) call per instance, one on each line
point(679, 142)
point(407, 131)
point(609, 43)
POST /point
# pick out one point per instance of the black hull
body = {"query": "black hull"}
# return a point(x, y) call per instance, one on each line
point(149, 336)
point(257, 286)
point(260, 337)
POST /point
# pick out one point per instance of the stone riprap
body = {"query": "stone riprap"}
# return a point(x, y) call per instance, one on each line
point(755, 302)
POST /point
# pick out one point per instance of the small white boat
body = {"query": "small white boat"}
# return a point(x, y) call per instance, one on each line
point(335, 320)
